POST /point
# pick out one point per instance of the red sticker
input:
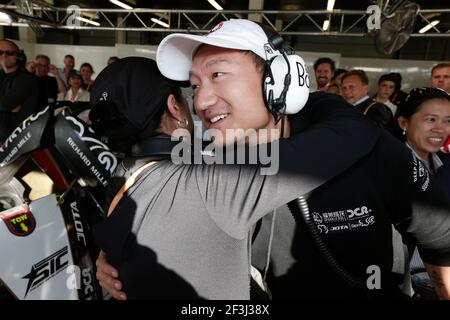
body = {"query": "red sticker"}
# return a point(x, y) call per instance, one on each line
point(217, 27)
point(20, 221)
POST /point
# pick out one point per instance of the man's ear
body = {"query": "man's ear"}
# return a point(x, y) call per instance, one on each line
point(174, 109)
point(366, 88)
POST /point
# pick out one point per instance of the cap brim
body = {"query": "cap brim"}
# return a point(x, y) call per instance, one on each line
point(174, 54)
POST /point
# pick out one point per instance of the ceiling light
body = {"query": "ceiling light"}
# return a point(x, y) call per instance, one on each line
point(165, 25)
point(330, 5)
point(326, 25)
point(95, 23)
point(215, 4)
point(370, 69)
point(121, 4)
point(91, 15)
point(412, 69)
point(429, 26)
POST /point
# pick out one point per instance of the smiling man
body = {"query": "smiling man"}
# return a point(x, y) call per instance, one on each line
point(324, 69)
point(221, 111)
point(355, 89)
point(355, 210)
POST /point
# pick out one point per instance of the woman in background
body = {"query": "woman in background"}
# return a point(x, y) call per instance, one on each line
point(86, 72)
point(424, 119)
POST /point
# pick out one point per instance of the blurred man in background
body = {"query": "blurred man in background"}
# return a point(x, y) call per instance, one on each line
point(18, 89)
point(440, 76)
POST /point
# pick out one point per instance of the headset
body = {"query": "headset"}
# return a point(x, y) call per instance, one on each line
point(282, 72)
point(286, 80)
point(21, 57)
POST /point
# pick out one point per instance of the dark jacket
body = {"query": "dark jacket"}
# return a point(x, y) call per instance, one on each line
point(377, 112)
point(443, 175)
point(19, 88)
point(48, 90)
point(354, 214)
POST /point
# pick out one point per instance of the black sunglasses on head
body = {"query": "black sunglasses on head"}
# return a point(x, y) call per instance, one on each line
point(7, 52)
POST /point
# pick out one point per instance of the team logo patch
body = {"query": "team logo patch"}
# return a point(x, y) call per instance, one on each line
point(344, 220)
point(19, 221)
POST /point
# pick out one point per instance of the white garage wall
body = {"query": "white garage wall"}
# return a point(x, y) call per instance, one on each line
point(95, 55)
point(415, 73)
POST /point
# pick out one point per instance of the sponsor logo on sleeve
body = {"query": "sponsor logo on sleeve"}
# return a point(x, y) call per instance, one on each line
point(421, 175)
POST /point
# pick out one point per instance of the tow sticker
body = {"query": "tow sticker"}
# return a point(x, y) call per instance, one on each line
point(19, 221)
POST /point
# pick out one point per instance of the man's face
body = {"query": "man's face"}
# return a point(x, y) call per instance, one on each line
point(353, 89)
point(323, 74)
point(75, 82)
point(8, 56)
point(42, 67)
point(69, 63)
point(386, 89)
point(228, 92)
point(441, 79)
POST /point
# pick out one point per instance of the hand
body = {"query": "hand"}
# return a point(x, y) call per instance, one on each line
point(107, 277)
point(53, 70)
point(440, 277)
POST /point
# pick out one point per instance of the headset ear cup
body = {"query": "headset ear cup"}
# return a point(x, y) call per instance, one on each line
point(298, 91)
point(267, 82)
point(21, 58)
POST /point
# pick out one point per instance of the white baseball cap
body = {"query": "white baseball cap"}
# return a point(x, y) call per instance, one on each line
point(175, 52)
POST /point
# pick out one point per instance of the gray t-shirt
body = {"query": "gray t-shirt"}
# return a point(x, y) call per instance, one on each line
point(195, 220)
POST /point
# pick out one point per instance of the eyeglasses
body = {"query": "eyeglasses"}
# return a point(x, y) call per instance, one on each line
point(7, 52)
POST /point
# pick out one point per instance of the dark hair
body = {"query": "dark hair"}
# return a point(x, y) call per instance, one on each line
point(417, 97)
point(325, 60)
point(440, 66)
point(413, 103)
point(156, 121)
point(75, 75)
point(69, 56)
point(388, 77)
point(359, 73)
point(42, 56)
point(260, 63)
point(87, 64)
point(338, 72)
point(114, 58)
point(129, 99)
